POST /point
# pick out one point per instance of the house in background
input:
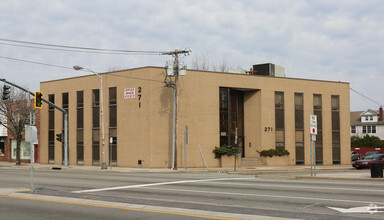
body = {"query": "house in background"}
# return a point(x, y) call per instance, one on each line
point(367, 122)
point(8, 142)
point(4, 155)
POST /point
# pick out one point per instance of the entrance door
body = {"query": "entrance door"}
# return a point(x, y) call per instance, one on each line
point(232, 118)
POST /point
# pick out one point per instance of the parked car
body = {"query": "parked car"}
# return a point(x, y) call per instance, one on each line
point(355, 156)
point(366, 162)
point(371, 153)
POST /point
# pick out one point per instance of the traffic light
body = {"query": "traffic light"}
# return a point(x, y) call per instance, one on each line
point(58, 137)
point(6, 92)
point(38, 99)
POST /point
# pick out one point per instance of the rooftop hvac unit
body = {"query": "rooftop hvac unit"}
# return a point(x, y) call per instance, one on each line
point(268, 69)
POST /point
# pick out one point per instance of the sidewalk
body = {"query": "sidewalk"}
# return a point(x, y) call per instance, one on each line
point(335, 172)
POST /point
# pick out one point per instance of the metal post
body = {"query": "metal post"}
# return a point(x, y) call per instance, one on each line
point(104, 164)
point(314, 153)
point(185, 146)
point(174, 128)
point(311, 157)
point(65, 139)
point(110, 151)
point(32, 162)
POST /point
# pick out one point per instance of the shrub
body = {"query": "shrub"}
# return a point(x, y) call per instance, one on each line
point(225, 150)
point(274, 152)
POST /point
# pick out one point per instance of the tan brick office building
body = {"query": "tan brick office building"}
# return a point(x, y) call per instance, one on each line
point(256, 112)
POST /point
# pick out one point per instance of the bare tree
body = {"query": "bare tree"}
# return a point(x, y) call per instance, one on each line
point(202, 63)
point(16, 112)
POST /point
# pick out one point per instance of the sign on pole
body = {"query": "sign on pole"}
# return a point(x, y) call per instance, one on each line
point(313, 124)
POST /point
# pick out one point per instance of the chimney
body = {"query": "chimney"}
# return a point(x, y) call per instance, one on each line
point(381, 113)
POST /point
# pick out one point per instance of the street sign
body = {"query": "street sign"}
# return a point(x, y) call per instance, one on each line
point(313, 124)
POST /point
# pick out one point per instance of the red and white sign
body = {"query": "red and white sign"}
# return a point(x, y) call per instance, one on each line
point(129, 93)
point(313, 124)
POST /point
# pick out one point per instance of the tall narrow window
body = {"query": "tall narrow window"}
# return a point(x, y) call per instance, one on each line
point(51, 130)
point(65, 104)
point(299, 127)
point(113, 125)
point(279, 120)
point(80, 127)
point(335, 129)
point(232, 118)
point(95, 127)
point(317, 110)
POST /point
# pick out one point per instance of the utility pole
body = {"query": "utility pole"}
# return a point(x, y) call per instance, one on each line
point(174, 85)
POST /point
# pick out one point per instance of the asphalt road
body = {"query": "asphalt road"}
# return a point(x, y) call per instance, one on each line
point(84, 194)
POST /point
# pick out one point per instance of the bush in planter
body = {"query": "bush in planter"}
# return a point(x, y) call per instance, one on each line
point(225, 150)
point(274, 152)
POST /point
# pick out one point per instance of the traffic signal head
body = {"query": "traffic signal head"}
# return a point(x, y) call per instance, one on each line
point(38, 99)
point(58, 137)
point(6, 92)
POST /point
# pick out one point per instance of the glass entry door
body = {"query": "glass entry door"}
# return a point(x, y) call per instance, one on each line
point(232, 118)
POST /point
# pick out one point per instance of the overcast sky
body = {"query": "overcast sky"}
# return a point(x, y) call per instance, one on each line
point(337, 40)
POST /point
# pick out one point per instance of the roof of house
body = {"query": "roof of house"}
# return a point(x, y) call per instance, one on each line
point(356, 117)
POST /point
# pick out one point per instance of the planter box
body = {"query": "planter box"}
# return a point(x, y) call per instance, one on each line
point(229, 161)
point(276, 161)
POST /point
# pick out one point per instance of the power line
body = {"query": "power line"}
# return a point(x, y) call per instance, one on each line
point(76, 51)
point(71, 68)
point(39, 63)
point(82, 48)
point(377, 103)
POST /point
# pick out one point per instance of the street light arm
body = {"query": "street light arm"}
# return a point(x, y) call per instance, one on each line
point(86, 69)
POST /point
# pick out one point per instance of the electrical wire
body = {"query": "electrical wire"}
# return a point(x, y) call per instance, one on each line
point(76, 51)
point(39, 63)
point(71, 68)
point(82, 48)
point(366, 97)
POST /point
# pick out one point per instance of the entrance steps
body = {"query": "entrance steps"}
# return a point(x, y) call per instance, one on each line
point(249, 162)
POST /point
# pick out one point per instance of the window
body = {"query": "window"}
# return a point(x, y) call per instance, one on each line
point(65, 100)
point(371, 118)
point(231, 118)
point(95, 97)
point(65, 105)
point(113, 125)
point(299, 127)
point(51, 130)
point(31, 120)
point(368, 129)
point(112, 108)
point(317, 110)
point(279, 120)
point(95, 127)
point(335, 129)
point(353, 129)
point(80, 128)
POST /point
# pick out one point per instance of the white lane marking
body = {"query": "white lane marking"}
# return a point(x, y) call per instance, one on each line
point(301, 187)
point(155, 184)
point(264, 195)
